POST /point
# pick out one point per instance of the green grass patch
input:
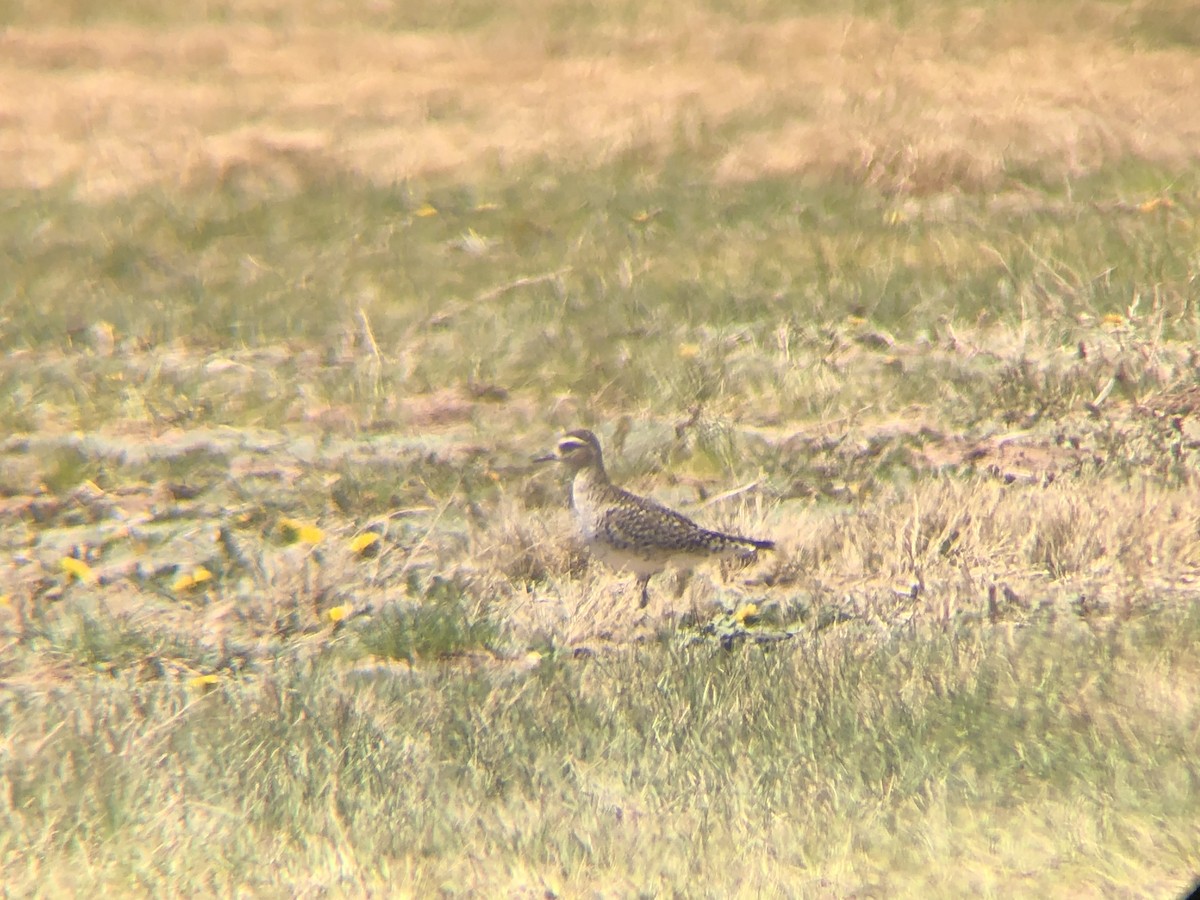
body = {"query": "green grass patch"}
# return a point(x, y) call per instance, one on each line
point(439, 621)
point(481, 295)
point(849, 758)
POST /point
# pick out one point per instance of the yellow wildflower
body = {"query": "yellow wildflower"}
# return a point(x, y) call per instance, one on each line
point(746, 611)
point(189, 580)
point(336, 614)
point(305, 532)
point(78, 569)
point(364, 542)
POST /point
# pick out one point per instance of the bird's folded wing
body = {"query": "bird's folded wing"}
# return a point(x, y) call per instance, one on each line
point(651, 528)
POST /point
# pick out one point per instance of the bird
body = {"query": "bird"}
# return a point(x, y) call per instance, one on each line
point(633, 533)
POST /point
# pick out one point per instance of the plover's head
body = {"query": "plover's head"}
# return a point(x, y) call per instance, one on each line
point(577, 449)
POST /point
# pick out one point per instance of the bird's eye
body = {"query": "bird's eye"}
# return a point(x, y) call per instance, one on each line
point(569, 447)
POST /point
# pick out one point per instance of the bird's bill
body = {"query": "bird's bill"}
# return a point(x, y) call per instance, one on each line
point(550, 457)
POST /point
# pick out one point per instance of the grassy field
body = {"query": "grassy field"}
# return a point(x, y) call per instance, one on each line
point(292, 294)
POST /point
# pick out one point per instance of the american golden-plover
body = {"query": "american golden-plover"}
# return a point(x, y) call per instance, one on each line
point(634, 533)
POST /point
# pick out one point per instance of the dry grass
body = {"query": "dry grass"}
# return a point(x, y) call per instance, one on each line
point(965, 100)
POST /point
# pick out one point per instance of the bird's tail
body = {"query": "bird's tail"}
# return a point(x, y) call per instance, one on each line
point(742, 547)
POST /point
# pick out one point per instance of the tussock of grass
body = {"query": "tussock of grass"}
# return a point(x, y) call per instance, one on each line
point(439, 624)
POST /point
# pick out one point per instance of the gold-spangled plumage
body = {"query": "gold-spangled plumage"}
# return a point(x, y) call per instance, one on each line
point(631, 532)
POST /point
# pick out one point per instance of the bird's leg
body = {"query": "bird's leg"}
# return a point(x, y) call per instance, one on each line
point(644, 581)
